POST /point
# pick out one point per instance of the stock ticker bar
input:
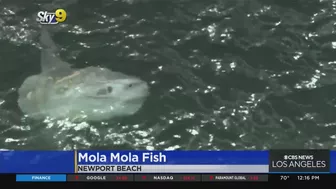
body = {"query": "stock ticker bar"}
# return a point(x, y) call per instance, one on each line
point(172, 178)
point(169, 177)
point(143, 178)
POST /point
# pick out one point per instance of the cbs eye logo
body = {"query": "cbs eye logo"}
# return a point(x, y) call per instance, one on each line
point(45, 17)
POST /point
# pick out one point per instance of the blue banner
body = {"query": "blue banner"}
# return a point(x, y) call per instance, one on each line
point(37, 161)
point(64, 161)
point(172, 157)
point(333, 162)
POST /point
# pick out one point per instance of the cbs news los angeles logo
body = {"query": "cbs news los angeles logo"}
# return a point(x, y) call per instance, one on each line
point(45, 17)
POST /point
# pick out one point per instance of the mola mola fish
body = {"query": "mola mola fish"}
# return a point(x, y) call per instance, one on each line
point(88, 94)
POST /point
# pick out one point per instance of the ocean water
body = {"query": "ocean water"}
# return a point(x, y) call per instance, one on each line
point(223, 74)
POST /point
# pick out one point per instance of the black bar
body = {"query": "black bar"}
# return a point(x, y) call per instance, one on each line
point(7, 178)
point(301, 177)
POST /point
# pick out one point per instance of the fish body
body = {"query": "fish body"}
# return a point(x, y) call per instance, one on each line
point(87, 94)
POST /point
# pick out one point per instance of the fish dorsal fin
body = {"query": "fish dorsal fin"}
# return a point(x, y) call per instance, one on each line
point(50, 59)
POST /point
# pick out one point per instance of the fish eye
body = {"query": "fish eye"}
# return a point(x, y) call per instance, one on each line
point(130, 85)
point(109, 89)
point(104, 91)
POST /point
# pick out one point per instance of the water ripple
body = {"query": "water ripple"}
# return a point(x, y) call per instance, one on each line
point(224, 74)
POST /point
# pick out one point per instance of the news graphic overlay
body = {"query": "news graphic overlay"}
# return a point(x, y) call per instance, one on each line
point(45, 17)
point(149, 166)
point(171, 162)
point(299, 161)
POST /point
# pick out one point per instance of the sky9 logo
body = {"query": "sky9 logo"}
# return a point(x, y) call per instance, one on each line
point(45, 17)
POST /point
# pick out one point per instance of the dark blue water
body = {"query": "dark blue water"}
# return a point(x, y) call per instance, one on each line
point(224, 74)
